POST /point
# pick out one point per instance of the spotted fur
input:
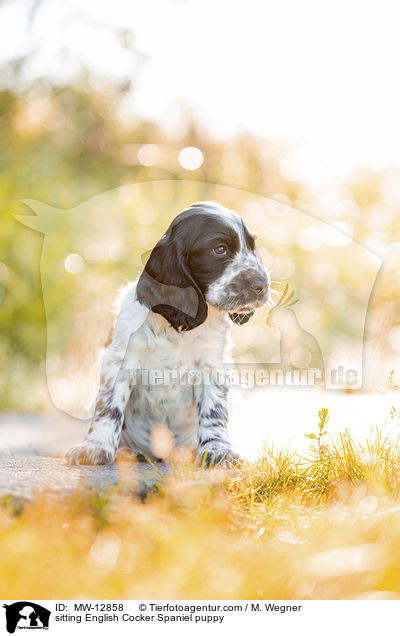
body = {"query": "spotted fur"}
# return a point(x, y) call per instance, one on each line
point(175, 318)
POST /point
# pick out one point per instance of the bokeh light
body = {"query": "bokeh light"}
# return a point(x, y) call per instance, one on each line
point(149, 155)
point(191, 158)
point(74, 263)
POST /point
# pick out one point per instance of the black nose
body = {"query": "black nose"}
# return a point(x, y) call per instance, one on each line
point(260, 286)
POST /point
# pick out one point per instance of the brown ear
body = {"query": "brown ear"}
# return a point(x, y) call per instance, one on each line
point(167, 287)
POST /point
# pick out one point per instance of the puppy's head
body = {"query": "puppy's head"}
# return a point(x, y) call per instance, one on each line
point(207, 256)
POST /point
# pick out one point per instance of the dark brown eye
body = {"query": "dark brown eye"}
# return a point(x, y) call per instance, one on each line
point(220, 250)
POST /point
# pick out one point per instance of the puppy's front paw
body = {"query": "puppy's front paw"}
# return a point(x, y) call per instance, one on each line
point(88, 454)
point(223, 457)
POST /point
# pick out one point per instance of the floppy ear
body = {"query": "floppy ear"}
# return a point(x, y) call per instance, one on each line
point(169, 289)
point(240, 319)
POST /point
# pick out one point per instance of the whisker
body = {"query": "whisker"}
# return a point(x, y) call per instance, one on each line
point(274, 291)
point(277, 291)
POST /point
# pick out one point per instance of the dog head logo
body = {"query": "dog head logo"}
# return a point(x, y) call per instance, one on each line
point(94, 248)
point(26, 615)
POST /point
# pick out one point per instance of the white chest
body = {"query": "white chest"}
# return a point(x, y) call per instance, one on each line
point(162, 364)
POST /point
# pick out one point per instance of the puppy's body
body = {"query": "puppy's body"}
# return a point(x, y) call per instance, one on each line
point(156, 351)
point(172, 322)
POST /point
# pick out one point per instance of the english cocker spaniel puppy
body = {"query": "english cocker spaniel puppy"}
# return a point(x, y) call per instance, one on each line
point(173, 325)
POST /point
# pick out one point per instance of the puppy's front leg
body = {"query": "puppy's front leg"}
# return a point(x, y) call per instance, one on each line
point(102, 440)
point(214, 446)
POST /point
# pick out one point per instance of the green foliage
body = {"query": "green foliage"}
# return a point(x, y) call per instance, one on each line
point(12, 504)
point(324, 472)
point(323, 415)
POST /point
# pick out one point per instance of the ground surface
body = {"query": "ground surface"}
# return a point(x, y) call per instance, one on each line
point(31, 458)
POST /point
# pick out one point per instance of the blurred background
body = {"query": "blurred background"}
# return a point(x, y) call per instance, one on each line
point(162, 103)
